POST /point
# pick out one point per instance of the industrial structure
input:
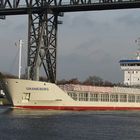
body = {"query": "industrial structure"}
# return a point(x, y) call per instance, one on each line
point(43, 23)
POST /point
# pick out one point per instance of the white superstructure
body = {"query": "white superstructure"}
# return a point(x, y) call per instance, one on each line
point(131, 70)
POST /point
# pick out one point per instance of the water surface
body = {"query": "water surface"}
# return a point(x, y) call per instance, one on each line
point(68, 125)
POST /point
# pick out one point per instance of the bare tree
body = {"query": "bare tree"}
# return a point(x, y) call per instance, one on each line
point(93, 80)
point(74, 81)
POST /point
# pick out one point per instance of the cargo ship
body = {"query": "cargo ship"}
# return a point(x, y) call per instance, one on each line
point(44, 95)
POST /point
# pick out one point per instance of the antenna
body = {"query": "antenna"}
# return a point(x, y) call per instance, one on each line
point(138, 52)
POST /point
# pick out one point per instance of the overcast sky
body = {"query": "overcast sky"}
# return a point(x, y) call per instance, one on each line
point(89, 43)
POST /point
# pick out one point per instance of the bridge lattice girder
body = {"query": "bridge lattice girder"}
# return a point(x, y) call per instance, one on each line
point(15, 7)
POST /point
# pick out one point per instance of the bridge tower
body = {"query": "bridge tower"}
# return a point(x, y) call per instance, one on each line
point(42, 42)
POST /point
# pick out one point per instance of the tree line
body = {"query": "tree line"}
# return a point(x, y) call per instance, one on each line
point(91, 80)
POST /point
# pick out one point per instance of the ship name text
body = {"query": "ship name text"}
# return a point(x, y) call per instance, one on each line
point(36, 88)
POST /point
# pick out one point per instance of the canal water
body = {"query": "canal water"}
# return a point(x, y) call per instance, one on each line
point(68, 125)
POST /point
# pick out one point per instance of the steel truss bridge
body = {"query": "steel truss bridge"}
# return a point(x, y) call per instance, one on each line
point(43, 23)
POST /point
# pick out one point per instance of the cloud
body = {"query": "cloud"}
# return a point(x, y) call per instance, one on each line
point(89, 43)
point(131, 19)
point(12, 29)
point(93, 43)
point(81, 67)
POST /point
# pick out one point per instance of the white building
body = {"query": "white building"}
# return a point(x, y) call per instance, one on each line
point(131, 70)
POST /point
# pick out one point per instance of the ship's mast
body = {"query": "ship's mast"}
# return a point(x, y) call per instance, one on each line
point(20, 50)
